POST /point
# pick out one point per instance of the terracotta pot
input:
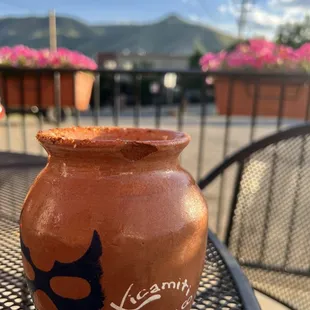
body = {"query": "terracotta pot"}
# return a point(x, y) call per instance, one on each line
point(113, 222)
point(295, 102)
point(27, 89)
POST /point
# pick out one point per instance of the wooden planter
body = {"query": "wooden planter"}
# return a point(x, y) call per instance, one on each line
point(28, 89)
point(295, 97)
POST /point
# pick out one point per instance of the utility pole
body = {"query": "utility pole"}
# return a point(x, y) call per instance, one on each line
point(57, 77)
point(52, 30)
point(242, 20)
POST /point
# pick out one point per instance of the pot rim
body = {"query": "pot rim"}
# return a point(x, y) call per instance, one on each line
point(101, 137)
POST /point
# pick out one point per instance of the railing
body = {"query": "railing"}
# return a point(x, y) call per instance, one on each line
point(151, 104)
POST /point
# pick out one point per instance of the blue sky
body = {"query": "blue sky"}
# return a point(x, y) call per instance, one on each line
point(264, 17)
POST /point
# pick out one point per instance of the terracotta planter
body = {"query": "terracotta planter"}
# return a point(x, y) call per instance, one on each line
point(295, 103)
point(113, 222)
point(32, 89)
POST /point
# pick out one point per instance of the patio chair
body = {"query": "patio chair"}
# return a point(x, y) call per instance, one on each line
point(269, 218)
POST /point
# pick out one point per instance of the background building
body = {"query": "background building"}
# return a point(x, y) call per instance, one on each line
point(127, 61)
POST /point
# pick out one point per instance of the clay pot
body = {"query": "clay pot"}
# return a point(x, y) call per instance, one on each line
point(295, 97)
point(113, 222)
point(23, 90)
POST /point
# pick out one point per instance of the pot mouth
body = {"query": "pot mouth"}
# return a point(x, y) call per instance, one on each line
point(100, 137)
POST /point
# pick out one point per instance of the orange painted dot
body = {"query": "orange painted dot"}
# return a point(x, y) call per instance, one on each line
point(29, 272)
point(70, 287)
point(42, 301)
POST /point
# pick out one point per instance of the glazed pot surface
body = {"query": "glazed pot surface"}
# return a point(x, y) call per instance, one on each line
point(113, 222)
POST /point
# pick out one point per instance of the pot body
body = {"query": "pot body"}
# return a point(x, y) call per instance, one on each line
point(113, 233)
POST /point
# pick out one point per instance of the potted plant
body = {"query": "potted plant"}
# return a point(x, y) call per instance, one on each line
point(259, 55)
point(22, 89)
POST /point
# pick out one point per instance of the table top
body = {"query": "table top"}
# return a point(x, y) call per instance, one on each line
point(222, 286)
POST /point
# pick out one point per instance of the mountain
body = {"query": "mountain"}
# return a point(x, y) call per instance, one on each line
point(170, 35)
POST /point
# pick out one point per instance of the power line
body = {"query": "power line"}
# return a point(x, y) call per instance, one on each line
point(244, 7)
point(243, 18)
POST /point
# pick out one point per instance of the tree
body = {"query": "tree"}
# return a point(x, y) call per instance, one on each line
point(199, 51)
point(232, 47)
point(193, 61)
point(194, 82)
point(294, 35)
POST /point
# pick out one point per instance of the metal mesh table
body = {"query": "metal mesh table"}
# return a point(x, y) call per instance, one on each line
point(222, 286)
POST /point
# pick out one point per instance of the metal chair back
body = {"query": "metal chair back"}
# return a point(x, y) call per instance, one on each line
point(268, 230)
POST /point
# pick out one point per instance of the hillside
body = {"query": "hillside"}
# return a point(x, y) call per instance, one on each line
point(172, 35)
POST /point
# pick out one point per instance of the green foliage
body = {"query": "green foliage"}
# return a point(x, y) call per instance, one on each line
point(171, 35)
point(194, 82)
point(233, 46)
point(294, 35)
point(198, 52)
point(194, 59)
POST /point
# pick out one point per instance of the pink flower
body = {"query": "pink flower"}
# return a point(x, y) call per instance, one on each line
point(23, 56)
point(259, 54)
point(212, 61)
point(261, 44)
point(304, 52)
point(236, 59)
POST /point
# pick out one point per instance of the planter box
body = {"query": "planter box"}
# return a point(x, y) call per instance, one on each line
point(22, 90)
point(295, 97)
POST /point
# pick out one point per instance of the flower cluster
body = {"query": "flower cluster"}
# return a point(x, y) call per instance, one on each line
point(25, 57)
point(258, 54)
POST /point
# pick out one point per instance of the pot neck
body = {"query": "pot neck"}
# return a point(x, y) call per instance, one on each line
point(138, 158)
point(113, 149)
